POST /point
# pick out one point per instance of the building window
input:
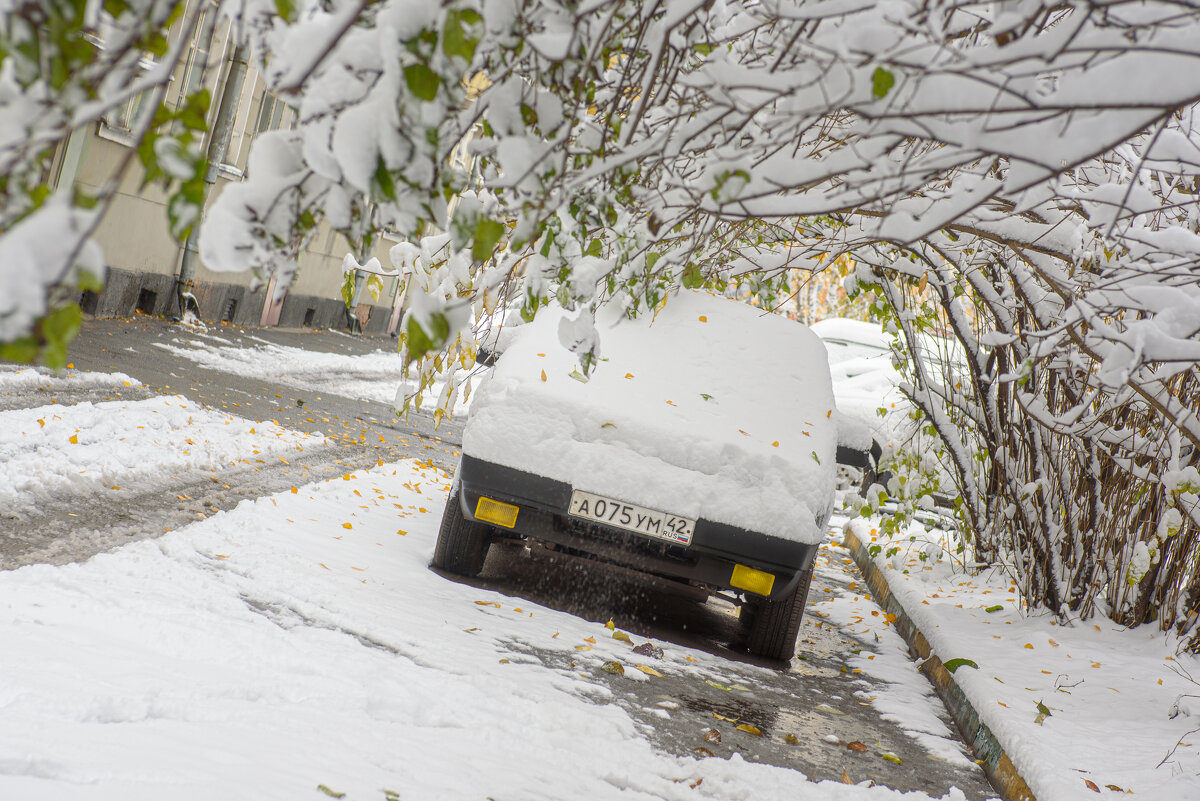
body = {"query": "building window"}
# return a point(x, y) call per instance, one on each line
point(270, 113)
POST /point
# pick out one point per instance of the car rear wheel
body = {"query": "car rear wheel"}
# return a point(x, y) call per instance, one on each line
point(773, 625)
point(462, 544)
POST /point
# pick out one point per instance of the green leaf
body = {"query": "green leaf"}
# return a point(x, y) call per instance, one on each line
point(286, 9)
point(455, 41)
point(330, 793)
point(528, 115)
point(348, 288)
point(702, 48)
point(594, 248)
point(692, 277)
point(88, 282)
point(1043, 709)
point(422, 81)
point(22, 351)
point(157, 44)
point(375, 287)
point(955, 664)
point(193, 115)
point(996, 608)
point(487, 234)
point(59, 327)
point(421, 341)
point(882, 82)
point(383, 179)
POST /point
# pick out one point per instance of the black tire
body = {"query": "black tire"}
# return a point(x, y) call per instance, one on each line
point(462, 544)
point(773, 625)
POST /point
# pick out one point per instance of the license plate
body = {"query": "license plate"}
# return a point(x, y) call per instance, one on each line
point(632, 517)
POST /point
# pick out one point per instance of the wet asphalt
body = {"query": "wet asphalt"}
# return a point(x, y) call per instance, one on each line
point(807, 712)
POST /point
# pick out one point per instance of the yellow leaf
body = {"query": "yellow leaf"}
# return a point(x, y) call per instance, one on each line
point(775, 444)
point(295, 490)
point(629, 375)
point(543, 375)
point(846, 777)
point(610, 624)
point(74, 439)
point(42, 423)
point(347, 525)
point(649, 671)
point(583, 647)
point(727, 720)
point(622, 636)
point(703, 319)
point(487, 603)
point(1029, 645)
point(402, 532)
point(222, 556)
point(592, 640)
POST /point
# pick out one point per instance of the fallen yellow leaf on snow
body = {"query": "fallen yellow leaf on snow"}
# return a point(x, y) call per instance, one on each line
point(649, 671)
point(74, 439)
point(347, 525)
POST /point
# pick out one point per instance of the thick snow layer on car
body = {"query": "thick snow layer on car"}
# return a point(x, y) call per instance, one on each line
point(712, 409)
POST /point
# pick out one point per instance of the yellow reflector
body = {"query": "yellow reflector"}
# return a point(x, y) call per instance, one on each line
point(747, 578)
point(501, 514)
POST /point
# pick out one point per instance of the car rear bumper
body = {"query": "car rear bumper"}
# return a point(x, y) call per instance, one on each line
point(716, 548)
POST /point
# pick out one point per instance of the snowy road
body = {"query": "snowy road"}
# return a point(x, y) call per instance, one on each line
point(296, 645)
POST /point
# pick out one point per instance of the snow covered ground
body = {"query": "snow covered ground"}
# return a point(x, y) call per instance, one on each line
point(1109, 691)
point(300, 642)
point(372, 376)
point(87, 449)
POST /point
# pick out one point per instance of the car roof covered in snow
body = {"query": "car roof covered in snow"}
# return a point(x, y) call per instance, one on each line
point(708, 408)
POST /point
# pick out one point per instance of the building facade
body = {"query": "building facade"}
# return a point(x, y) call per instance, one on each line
point(144, 261)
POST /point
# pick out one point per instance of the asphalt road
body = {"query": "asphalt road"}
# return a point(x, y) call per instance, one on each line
point(364, 433)
point(807, 712)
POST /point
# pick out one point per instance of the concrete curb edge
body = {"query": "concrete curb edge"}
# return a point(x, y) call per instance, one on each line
point(996, 764)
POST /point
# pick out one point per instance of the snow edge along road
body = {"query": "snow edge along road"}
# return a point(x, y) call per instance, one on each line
point(999, 768)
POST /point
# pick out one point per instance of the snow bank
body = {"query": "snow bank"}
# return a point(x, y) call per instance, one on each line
point(370, 377)
point(1110, 690)
point(27, 378)
point(51, 451)
point(711, 409)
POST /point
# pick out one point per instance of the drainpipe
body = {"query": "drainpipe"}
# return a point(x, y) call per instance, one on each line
point(217, 145)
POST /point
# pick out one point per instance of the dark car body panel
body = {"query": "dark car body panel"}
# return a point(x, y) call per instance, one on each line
point(709, 559)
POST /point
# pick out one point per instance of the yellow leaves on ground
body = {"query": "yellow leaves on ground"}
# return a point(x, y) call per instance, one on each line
point(295, 490)
point(73, 439)
point(649, 671)
point(347, 525)
point(583, 647)
point(42, 423)
point(629, 375)
point(749, 728)
point(543, 375)
point(622, 636)
point(487, 603)
point(703, 318)
point(592, 640)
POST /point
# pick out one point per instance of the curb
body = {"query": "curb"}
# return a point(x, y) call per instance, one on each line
point(995, 762)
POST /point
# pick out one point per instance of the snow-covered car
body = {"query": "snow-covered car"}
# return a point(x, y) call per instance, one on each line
point(865, 381)
point(700, 452)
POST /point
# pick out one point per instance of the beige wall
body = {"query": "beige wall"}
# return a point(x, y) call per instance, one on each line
point(134, 234)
